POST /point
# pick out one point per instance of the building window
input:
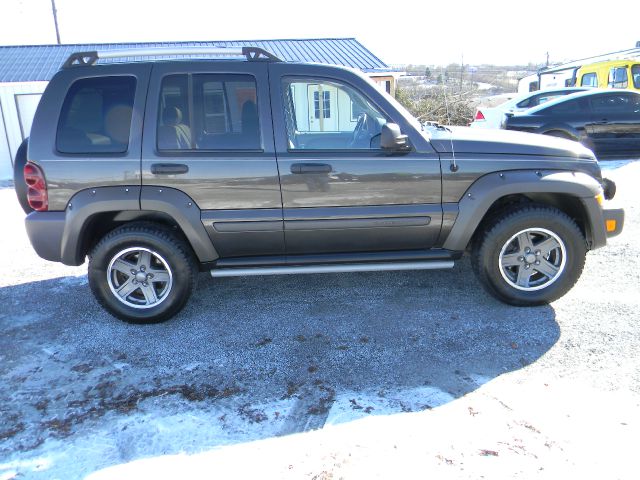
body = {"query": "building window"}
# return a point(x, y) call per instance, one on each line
point(326, 104)
point(96, 116)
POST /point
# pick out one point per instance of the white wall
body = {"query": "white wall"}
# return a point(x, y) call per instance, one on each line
point(18, 102)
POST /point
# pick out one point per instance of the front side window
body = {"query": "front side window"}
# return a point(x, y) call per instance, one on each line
point(96, 116)
point(612, 104)
point(618, 77)
point(208, 112)
point(589, 80)
point(329, 116)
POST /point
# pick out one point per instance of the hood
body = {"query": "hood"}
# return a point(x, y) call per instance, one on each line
point(481, 141)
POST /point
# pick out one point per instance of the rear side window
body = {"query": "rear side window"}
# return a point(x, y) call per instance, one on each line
point(96, 116)
point(208, 112)
point(618, 77)
point(589, 80)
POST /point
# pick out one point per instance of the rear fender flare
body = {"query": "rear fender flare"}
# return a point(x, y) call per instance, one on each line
point(177, 205)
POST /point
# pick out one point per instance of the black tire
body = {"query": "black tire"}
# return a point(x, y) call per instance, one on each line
point(18, 176)
point(499, 245)
point(168, 255)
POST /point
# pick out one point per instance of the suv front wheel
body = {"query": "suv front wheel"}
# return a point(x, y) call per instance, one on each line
point(529, 256)
point(142, 273)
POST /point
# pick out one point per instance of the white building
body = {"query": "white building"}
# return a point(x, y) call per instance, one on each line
point(25, 71)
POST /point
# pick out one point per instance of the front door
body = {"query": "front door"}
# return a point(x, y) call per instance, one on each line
point(615, 125)
point(340, 191)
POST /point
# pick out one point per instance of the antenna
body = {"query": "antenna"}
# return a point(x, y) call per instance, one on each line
point(454, 166)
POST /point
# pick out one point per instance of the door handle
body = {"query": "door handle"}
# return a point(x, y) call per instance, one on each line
point(169, 168)
point(311, 168)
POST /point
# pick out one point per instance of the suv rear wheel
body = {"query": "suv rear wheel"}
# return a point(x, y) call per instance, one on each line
point(142, 273)
point(530, 256)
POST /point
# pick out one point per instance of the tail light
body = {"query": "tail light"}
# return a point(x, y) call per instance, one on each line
point(479, 116)
point(36, 187)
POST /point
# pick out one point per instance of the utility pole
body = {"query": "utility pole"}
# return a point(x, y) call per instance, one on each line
point(55, 19)
point(461, 70)
point(547, 59)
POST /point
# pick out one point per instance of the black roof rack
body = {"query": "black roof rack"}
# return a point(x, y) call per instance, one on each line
point(89, 58)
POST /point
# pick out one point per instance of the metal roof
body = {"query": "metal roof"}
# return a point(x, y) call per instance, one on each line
point(40, 62)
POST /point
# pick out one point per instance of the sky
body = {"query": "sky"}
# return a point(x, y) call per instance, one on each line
point(413, 31)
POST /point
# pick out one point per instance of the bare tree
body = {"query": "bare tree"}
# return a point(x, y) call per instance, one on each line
point(438, 103)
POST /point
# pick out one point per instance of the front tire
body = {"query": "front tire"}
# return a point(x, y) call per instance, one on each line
point(532, 255)
point(142, 273)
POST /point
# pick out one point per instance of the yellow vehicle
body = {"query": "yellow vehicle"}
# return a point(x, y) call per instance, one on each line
point(624, 74)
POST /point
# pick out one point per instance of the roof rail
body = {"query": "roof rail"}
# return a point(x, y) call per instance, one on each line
point(90, 58)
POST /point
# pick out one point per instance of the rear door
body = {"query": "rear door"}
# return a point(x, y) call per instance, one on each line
point(208, 133)
point(340, 191)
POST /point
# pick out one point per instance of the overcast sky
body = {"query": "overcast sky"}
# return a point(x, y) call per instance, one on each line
point(417, 31)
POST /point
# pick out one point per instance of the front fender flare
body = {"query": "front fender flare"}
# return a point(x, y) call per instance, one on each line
point(482, 194)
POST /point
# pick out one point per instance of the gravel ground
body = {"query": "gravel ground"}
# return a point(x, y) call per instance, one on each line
point(376, 375)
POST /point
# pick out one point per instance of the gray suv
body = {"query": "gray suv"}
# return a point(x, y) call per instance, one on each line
point(157, 170)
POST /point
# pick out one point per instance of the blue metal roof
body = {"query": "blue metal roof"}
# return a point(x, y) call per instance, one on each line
point(41, 62)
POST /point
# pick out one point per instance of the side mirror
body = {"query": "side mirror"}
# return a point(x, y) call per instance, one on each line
point(392, 139)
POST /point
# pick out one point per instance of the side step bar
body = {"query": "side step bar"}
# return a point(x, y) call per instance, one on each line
point(354, 267)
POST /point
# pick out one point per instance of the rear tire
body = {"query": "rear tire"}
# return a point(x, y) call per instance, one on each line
point(532, 255)
point(142, 273)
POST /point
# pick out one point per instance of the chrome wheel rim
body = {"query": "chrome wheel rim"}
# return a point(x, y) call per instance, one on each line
point(532, 259)
point(139, 277)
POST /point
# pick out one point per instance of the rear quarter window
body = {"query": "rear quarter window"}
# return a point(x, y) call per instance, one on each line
point(96, 116)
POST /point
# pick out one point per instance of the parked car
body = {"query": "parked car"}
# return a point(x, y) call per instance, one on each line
point(158, 170)
point(618, 74)
point(606, 121)
point(487, 117)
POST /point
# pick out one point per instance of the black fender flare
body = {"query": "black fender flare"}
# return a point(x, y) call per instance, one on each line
point(185, 212)
point(482, 194)
point(177, 205)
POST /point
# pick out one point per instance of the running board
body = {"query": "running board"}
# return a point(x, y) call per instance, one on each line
point(353, 267)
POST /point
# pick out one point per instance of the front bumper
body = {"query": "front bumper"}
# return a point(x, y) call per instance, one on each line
point(613, 221)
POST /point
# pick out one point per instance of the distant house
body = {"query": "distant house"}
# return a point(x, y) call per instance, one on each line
point(26, 70)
